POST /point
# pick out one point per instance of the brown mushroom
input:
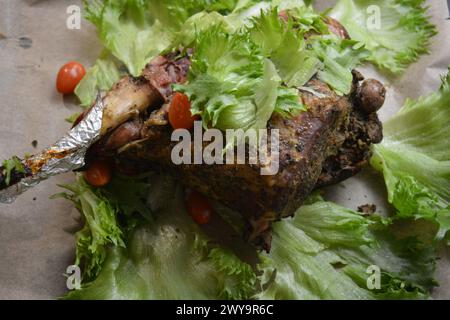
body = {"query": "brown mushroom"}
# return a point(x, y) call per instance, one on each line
point(371, 95)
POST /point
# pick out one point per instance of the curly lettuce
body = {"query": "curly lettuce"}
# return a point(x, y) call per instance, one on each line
point(324, 252)
point(100, 228)
point(339, 58)
point(283, 43)
point(11, 166)
point(298, 60)
point(414, 158)
point(166, 258)
point(288, 102)
point(230, 84)
point(236, 76)
point(101, 76)
point(128, 30)
point(241, 51)
point(327, 252)
point(396, 32)
point(135, 31)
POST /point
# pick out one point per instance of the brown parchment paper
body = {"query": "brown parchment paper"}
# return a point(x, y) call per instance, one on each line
point(36, 244)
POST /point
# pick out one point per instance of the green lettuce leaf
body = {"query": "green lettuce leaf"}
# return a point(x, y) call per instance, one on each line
point(324, 252)
point(288, 102)
point(283, 43)
point(245, 11)
point(169, 258)
point(10, 166)
point(174, 13)
point(415, 159)
point(130, 195)
point(397, 39)
point(234, 80)
point(100, 228)
point(295, 65)
point(129, 31)
point(163, 262)
point(339, 58)
point(135, 31)
point(269, 31)
point(242, 16)
point(73, 117)
point(197, 23)
point(297, 60)
point(233, 14)
point(230, 83)
point(101, 76)
point(266, 95)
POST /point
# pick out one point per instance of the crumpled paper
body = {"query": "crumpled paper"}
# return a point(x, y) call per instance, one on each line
point(36, 243)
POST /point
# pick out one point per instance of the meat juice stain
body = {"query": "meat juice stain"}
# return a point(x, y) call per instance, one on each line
point(25, 42)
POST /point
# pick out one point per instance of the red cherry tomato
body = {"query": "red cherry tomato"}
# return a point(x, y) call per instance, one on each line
point(180, 116)
point(98, 174)
point(69, 76)
point(199, 207)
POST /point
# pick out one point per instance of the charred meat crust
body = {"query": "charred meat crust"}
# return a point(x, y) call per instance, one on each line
point(305, 142)
point(354, 154)
point(362, 129)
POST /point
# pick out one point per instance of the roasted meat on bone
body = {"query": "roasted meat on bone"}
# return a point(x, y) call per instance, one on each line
point(322, 146)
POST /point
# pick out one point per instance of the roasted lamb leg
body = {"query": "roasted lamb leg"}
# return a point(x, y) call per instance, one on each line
point(324, 145)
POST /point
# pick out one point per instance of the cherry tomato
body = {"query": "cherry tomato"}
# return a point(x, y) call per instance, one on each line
point(98, 174)
point(199, 207)
point(69, 76)
point(180, 116)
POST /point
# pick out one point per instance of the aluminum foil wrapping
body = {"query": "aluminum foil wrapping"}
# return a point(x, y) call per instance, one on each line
point(65, 155)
